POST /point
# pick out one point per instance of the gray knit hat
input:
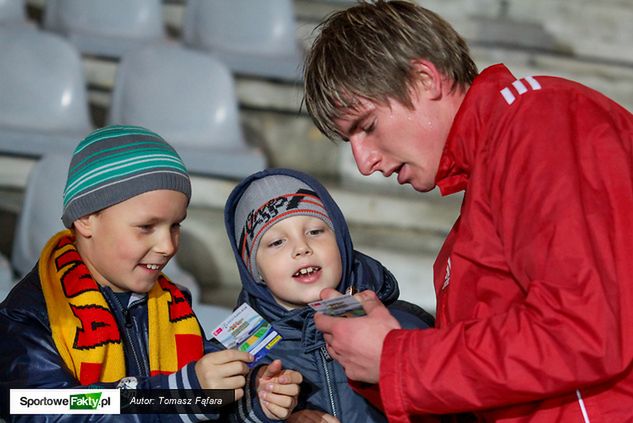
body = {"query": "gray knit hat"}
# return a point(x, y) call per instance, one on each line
point(267, 201)
point(116, 163)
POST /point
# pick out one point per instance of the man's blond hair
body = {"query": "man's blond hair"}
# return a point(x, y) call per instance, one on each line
point(366, 51)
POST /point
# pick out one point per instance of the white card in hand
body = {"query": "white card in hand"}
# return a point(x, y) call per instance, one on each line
point(343, 306)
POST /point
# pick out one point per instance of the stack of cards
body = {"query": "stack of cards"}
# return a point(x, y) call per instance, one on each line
point(344, 306)
point(246, 330)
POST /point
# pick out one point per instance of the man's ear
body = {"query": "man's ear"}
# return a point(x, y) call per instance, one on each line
point(84, 225)
point(430, 80)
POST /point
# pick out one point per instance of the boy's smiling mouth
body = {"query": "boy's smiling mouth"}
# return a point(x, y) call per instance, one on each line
point(151, 266)
point(306, 271)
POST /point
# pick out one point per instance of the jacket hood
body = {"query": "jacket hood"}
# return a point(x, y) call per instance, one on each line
point(359, 271)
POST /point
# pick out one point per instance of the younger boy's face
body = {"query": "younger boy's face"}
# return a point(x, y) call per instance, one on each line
point(297, 258)
point(127, 245)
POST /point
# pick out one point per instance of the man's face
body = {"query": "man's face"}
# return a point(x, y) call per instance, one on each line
point(392, 138)
point(297, 258)
point(127, 245)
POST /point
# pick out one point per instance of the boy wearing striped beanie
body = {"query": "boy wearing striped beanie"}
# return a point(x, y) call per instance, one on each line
point(104, 313)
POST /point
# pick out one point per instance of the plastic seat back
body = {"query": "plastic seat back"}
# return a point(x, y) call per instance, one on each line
point(252, 36)
point(44, 100)
point(189, 98)
point(40, 216)
point(12, 12)
point(106, 28)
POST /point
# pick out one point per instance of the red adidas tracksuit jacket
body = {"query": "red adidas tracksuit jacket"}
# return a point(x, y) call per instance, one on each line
point(534, 283)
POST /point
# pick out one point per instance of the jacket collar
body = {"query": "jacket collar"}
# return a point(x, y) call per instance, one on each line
point(465, 137)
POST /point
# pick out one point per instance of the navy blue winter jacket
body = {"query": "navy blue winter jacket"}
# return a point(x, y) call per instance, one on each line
point(29, 358)
point(303, 349)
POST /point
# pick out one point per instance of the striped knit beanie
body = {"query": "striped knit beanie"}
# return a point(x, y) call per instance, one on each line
point(267, 201)
point(116, 163)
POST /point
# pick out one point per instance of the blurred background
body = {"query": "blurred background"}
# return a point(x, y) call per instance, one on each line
point(221, 81)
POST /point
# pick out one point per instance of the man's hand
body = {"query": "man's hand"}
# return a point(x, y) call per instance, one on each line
point(312, 416)
point(225, 369)
point(278, 390)
point(356, 342)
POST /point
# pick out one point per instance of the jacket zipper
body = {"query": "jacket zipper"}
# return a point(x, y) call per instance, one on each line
point(583, 409)
point(326, 357)
point(128, 325)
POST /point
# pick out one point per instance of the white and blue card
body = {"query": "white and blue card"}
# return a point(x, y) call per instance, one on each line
point(246, 330)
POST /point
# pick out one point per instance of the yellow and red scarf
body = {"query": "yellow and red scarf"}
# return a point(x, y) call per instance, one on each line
point(85, 330)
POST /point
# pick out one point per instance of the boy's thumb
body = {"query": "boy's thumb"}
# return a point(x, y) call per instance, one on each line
point(273, 369)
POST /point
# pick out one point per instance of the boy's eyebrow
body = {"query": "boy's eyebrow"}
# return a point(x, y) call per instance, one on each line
point(155, 219)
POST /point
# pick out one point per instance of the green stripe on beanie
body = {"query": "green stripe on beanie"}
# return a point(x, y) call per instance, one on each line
point(115, 163)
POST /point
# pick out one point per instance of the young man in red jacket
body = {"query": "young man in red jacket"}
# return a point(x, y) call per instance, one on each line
point(534, 283)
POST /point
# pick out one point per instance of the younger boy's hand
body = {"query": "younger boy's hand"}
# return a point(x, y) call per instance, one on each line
point(225, 369)
point(311, 416)
point(278, 390)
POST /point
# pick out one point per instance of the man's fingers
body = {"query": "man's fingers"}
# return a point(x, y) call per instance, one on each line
point(325, 323)
point(332, 352)
point(369, 301)
point(366, 295)
point(328, 340)
point(328, 293)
